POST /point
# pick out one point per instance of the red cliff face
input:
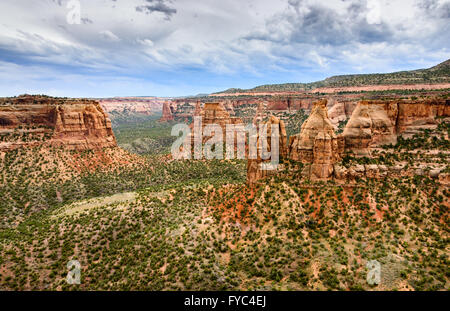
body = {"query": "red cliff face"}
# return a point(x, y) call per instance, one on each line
point(70, 123)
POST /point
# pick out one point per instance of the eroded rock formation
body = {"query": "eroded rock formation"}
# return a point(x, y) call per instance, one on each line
point(317, 145)
point(255, 169)
point(73, 123)
point(167, 112)
point(135, 105)
point(371, 124)
point(377, 123)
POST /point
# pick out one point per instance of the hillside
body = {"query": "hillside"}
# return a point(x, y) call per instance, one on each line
point(437, 74)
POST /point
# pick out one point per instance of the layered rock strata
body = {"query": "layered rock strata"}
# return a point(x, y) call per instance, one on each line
point(75, 124)
point(377, 123)
point(167, 112)
point(212, 113)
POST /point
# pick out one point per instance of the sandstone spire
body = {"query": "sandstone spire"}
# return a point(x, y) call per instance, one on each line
point(254, 170)
point(317, 145)
point(167, 114)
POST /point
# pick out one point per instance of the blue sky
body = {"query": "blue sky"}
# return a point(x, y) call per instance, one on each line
point(186, 47)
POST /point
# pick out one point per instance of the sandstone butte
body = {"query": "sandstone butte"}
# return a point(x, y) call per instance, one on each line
point(372, 124)
point(76, 124)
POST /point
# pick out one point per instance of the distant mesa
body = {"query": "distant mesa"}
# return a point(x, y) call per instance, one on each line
point(437, 77)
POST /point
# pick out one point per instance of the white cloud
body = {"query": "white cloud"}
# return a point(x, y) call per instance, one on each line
point(109, 36)
point(295, 39)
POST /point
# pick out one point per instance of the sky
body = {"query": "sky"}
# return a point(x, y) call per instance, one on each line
point(168, 48)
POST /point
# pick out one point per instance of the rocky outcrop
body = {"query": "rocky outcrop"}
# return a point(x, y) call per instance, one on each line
point(377, 123)
point(259, 115)
point(74, 124)
point(167, 112)
point(198, 109)
point(420, 114)
point(71, 123)
point(317, 145)
point(215, 113)
point(255, 167)
point(340, 111)
point(371, 125)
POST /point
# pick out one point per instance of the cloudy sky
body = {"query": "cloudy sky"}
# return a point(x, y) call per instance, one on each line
point(186, 47)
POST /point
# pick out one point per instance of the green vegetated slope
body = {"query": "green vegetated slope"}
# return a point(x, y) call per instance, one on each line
point(195, 225)
point(143, 135)
point(437, 74)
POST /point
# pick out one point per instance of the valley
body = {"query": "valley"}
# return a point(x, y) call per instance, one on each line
point(363, 176)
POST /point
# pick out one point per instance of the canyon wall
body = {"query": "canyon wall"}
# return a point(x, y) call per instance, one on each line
point(137, 105)
point(72, 123)
point(376, 123)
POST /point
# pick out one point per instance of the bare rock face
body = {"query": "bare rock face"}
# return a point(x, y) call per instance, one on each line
point(340, 172)
point(255, 170)
point(198, 109)
point(228, 105)
point(317, 144)
point(420, 114)
point(283, 150)
point(371, 125)
point(70, 123)
point(137, 105)
point(377, 123)
point(259, 115)
point(167, 113)
point(337, 113)
point(215, 113)
point(278, 104)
